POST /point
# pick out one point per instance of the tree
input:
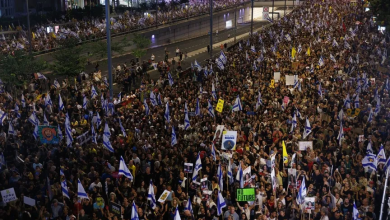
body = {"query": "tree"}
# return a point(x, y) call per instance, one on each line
point(70, 59)
point(16, 69)
point(381, 9)
point(141, 43)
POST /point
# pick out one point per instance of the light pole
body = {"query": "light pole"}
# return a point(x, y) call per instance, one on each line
point(273, 4)
point(108, 32)
point(235, 24)
point(29, 29)
point(285, 5)
point(252, 20)
point(211, 29)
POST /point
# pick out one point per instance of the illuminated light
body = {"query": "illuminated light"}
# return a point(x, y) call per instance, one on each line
point(153, 36)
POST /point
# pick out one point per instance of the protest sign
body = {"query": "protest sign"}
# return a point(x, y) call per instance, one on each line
point(115, 209)
point(219, 107)
point(188, 167)
point(276, 76)
point(8, 195)
point(289, 80)
point(164, 196)
point(229, 139)
point(48, 134)
point(29, 201)
point(304, 145)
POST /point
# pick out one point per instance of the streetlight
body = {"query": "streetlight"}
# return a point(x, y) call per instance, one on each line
point(211, 29)
point(252, 20)
point(29, 29)
point(108, 31)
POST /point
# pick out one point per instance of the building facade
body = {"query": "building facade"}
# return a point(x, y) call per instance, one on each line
point(7, 8)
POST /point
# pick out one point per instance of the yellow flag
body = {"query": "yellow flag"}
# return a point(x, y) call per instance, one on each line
point(293, 52)
point(33, 35)
point(285, 156)
point(53, 35)
point(308, 52)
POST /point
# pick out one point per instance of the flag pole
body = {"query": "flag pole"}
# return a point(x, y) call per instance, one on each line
point(384, 194)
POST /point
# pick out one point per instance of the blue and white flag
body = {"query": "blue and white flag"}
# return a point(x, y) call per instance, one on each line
point(81, 194)
point(213, 154)
point(32, 119)
point(253, 49)
point(340, 116)
point(240, 175)
point(60, 103)
point(23, 101)
point(147, 111)
point(177, 214)
point(210, 109)
point(45, 121)
point(11, 130)
point(94, 92)
point(159, 102)
point(299, 115)
point(321, 61)
point(386, 166)
point(341, 133)
point(16, 110)
point(237, 104)
point(189, 206)
point(153, 98)
point(223, 58)
point(294, 123)
point(230, 172)
point(219, 64)
point(356, 102)
point(287, 37)
point(220, 203)
point(311, 68)
point(198, 166)
point(196, 65)
point(57, 84)
point(259, 101)
point(381, 156)
point(369, 161)
point(2, 160)
point(270, 20)
point(122, 128)
point(387, 85)
point(85, 102)
point(320, 90)
point(166, 114)
point(98, 120)
point(105, 81)
point(355, 212)
point(151, 196)
point(93, 133)
point(68, 131)
point(369, 148)
point(64, 188)
point(335, 44)
point(197, 107)
point(332, 58)
point(41, 76)
point(120, 97)
point(299, 48)
point(173, 137)
point(48, 101)
point(171, 82)
point(186, 118)
point(296, 81)
point(247, 56)
point(370, 116)
point(60, 135)
point(239, 46)
point(307, 129)
point(213, 92)
point(220, 177)
point(124, 170)
point(302, 193)
point(347, 102)
point(106, 139)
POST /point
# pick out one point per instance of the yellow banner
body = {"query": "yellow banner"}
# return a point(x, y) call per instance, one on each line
point(219, 107)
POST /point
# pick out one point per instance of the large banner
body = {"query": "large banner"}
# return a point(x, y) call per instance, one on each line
point(48, 134)
point(229, 139)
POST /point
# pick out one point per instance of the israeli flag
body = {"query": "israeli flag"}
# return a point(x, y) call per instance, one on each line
point(253, 49)
point(239, 175)
point(94, 92)
point(45, 121)
point(103, 102)
point(98, 120)
point(197, 108)
point(48, 101)
point(16, 110)
point(350, 60)
point(186, 118)
point(341, 133)
point(220, 203)
point(356, 102)
point(93, 133)
point(270, 20)
point(166, 114)
point(223, 58)
point(294, 123)
point(57, 84)
point(332, 58)
point(159, 102)
point(387, 165)
point(198, 166)
point(220, 177)
point(335, 44)
point(387, 86)
point(296, 81)
point(370, 116)
point(273, 49)
point(347, 102)
point(230, 173)
point(32, 119)
point(213, 92)
point(346, 45)
point(151, 196)
point(369, 148)
point(320, 90)
point(23, 101)
point(147, 111)
point(219, 64)
point(355, 212)
point(299, 48)
point(105, 81)
point(64, 188)
point(307, 129)
point(381, 156)
point(85, 102)
point(321, 61)
point(259, 101)
point(287, 37)
point(153, 98)
point(302, 193)
point(81, 191)
point(239, 46)
point(340, 116)
point(60, 103)
point(11, 130)
point(171, 82)
point(134, 212)
point(60, 135)
point(173, 137)
point(237, 104)
point(210, 109)
point(196, 65)
point(378, 106)
point(312, 68)
point(369, 161)
point(247, 56)
point(177, 214)
point(122, 128)
point(41, 76)
point(189, 206)
point(106, 138)
point(124, 170)
point(68, 131)
point(211, 69)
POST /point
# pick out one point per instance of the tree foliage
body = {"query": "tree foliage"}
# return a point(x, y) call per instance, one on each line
point(16, 69)
point(141, 43)
point(381, 9)
point(70, 60)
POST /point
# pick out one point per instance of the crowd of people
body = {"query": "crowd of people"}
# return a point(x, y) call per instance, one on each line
point(91, 29)
point(309, 100)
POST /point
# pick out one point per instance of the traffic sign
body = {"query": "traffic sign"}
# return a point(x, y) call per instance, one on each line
point(265, 9)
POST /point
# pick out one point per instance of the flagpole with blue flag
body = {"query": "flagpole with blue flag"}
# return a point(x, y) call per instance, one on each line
point(124, 170)
point(237, 104)
point(213, 152)
point(220, 203)
point(198, 166)
point(173, 137)
point(81, 194)
point(197, 108)
point(166, 114)
point(189, 206)
point(134, 212)
point(186, 118)
point(210, 109)
point(64, 188)
point(151, 196)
